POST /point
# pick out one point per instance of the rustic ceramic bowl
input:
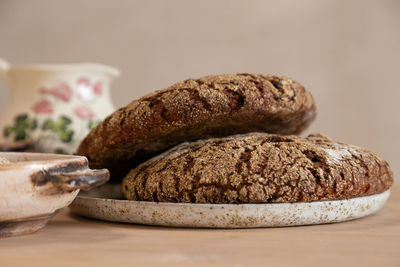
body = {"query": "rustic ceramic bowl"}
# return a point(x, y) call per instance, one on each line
point(34, 187)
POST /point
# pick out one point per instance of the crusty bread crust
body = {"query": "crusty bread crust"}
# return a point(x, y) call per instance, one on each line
point(212, 106)
point(259, 168)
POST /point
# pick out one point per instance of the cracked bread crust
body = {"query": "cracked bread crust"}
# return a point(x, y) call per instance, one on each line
point(212, 106)
point(259, 168)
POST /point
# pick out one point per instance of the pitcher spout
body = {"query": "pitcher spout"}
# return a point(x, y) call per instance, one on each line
point(4, 68)
point(114, 72)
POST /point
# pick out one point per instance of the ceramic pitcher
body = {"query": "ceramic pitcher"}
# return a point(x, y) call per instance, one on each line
point(54, 106)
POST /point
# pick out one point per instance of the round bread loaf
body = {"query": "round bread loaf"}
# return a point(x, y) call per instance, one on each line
point(213, 106)
point(259, 168)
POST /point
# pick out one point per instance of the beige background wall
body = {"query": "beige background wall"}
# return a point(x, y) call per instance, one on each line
point(346, 52)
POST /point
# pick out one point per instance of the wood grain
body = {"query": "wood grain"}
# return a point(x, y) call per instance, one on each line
point(68, 240)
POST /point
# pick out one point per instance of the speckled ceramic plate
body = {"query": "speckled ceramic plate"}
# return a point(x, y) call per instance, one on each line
point(104, 204)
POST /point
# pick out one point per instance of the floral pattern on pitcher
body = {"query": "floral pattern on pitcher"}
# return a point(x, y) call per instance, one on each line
point(86, 90)
point(43, 107)
point(57, 128)
point(61, 91)
point(21, 128)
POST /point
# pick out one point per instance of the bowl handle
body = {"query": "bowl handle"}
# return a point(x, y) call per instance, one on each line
point(81, 179)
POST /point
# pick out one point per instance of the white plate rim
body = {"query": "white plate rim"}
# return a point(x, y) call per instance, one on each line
point(215, 215)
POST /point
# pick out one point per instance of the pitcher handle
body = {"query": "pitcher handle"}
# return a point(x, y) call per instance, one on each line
point(4, 68)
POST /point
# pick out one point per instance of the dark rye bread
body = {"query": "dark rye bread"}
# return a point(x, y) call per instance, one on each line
point(259, 168)
point(212, 106)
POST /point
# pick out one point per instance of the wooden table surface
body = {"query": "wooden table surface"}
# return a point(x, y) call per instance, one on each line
point(68, 239)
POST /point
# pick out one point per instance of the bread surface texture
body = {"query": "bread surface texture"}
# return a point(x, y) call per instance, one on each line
point(259, 168)
point(212, 106)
